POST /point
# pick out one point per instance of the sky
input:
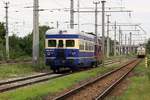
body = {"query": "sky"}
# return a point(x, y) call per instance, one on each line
point(21, 17)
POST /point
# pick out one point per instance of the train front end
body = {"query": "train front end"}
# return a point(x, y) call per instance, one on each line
point(60, 48)
point(141, 52)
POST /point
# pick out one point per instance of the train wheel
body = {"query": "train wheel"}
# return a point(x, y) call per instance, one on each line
point(54, 70)
point(93, 65)
point(58, 70)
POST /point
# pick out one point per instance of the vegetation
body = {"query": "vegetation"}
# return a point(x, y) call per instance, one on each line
point(19, 70)
point(148, 46)
point(2, 40)
point(21, 46)
point(15, 70)
point(42, 90)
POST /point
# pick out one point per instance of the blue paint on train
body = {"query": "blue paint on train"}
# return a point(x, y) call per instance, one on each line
point(62, 36)
point(71, 58)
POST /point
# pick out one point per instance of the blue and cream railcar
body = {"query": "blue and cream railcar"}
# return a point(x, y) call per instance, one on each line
point(69, 48)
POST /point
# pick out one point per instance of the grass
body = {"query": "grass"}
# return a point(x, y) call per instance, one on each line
point(17, 70)
point(140, 85)
point(41, 90)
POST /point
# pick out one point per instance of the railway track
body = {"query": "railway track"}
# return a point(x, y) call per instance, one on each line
point(98, 88)
point(6, 85)
point(14, 61)
point(20, 82)
point(29, 61)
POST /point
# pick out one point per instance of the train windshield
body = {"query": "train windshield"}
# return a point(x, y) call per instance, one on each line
point(60, 43)
point(51, 43)
point(70, 43)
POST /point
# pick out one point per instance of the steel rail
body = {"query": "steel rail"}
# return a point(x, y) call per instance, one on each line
point(14, 61)
point(9, 81)
point(76, 90)
point(28, 81)
point(111, 87)
point(10, 84)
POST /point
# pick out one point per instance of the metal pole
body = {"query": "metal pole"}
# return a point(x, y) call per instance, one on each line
point(115, 39)
point(103, 31)
point(72, 14)
point(119, 41)
point(78, 15)
point(7, 32)
point(108, 40)
point(126, 44)
point(130, 42)
point(96, 27)
point(35, 51)
point(57, 24)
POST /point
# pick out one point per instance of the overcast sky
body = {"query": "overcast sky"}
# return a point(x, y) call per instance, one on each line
point(20, 18)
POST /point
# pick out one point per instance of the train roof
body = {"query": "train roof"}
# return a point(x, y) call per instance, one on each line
point(68, 32)
point(63, 31)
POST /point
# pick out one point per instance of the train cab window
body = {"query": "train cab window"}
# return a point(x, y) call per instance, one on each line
point(70, 43)
point(51, 43)
point(60, 43)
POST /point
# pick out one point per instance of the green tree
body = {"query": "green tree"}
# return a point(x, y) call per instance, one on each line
point(23, 46)
point(42, 31)
point(148, 46)
point(15, 47)
point(2, 40)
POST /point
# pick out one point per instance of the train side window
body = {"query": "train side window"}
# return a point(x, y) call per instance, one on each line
point(81, 45)
point(70, 43)
point(51, 43)
point(60, 43)
point(91, 46)
point(86, 46)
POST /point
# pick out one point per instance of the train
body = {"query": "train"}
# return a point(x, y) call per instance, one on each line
point(141, 52)
point(71, 49)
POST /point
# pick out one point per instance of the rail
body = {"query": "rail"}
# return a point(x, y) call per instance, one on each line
point(101, 86)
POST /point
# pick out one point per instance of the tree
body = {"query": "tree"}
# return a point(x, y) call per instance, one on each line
point(42, 31)
point(148, 46)
point(23, 46)
point(15, 46)
point(2, 40)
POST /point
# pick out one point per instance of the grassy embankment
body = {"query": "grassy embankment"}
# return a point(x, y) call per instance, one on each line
point(19, 70)
point(38, 91)
point(140, 85)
